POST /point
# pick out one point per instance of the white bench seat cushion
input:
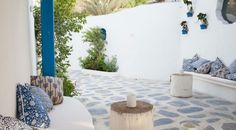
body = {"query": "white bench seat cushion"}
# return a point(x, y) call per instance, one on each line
point(70, 115)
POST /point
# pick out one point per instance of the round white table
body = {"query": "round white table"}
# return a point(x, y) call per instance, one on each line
point(181, 85)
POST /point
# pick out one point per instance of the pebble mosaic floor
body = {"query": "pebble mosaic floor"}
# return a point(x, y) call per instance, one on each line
point(207, 112)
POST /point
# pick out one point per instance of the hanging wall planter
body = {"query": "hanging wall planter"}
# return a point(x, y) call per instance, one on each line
point(189, 7)
point(184, 27)
point(203, 19)
point(104, 33)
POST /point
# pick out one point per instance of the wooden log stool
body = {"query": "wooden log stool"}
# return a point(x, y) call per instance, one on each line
point(127, 118)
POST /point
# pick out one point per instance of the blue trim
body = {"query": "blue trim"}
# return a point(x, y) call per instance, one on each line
point(47, 27)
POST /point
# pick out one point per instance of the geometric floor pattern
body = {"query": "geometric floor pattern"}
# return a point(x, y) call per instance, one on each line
point(207, 112)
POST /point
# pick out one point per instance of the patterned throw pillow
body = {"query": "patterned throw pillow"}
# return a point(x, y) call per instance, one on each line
point(30, 109)
point(205, 68)
point(187, 63)
point(232, 67)
point(10, 123)
point(51, 85)
point(216, 65)
point(199, 62)
point(231, 76)
point(221, 73)
point(47, 102)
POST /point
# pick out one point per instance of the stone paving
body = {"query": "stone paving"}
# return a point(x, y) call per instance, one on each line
point(207, 112)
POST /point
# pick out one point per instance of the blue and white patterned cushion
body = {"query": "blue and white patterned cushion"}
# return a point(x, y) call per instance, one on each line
point(11, 123)
point(204, 69)
point(216, 65)
point(221, 73)
point(187, 63)
point(232, 67)
point(30, 109)
point(199, 62)
point(47, 102)
point(231, 76)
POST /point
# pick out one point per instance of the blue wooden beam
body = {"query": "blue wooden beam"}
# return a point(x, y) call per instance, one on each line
point(47, 28)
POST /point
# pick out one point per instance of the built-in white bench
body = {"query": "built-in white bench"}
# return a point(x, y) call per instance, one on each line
point(214, 86)
point(70, 115)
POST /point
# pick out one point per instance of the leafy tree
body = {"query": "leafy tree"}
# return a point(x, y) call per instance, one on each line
point(96, 59)
point(66, 21)
point(100, 7)
point(133, 3)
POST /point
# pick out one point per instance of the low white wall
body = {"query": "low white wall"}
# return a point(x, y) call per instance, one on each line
point(15, 54)
point(145, 40)
point(218, 40)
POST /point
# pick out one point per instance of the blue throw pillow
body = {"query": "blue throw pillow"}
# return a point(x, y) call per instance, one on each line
point(216, 65)
point(199, 62)
point(231, 76)
point(187, 63)
point(46, 101)
point(30, 109)
point(232, 67)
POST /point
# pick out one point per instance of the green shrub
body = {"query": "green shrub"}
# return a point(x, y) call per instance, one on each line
point(66, 21)
point(133, 3)
point(97, 59)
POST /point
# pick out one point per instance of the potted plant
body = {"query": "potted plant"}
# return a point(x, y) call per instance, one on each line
point(190, 8)
point(184, 27)
point(203, 19)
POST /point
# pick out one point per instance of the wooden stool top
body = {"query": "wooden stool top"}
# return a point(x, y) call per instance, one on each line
point(141, 107)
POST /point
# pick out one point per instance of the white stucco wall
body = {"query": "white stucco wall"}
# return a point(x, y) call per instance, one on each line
point(148, 42)
point(145, 40)
point(218, 40)
point(15, 54)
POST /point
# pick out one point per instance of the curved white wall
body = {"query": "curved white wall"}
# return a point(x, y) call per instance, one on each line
point(145, 40)
point(148, 42)
point(15, 54)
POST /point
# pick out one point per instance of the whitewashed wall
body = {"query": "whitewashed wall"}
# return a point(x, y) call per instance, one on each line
point(15, 56)
point(148, 42)
point(218, 40)
point(145, 40)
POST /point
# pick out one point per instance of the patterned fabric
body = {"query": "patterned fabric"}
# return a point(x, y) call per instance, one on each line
point(51, 85)
point(187, 63)
point(10, 123)
point(232, 67)
point(221, 73)
point(199, 62)
point(205, 68)
point(47, 102)
point(231, 76)
point(30, 109)
point(216, 65)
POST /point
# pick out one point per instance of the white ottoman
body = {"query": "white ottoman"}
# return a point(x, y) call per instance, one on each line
point(181, 85)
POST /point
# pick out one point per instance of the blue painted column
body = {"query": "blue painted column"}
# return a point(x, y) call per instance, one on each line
point(47, 27)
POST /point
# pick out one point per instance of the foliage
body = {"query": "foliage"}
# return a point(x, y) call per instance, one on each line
point(66, 21)
point(133, 3)
point(202, 17)
point(101, 7)
point(187, 2)
point(96, 59)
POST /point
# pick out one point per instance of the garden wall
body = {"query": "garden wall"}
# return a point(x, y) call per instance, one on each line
point(148, 42)
point(145, 40)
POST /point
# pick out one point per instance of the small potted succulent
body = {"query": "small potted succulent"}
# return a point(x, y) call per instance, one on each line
point(203, 19)
point(190, 8)
point(184, 27)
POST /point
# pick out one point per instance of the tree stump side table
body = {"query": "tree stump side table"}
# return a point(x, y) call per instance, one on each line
point(181, 85)
point(125, 118)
